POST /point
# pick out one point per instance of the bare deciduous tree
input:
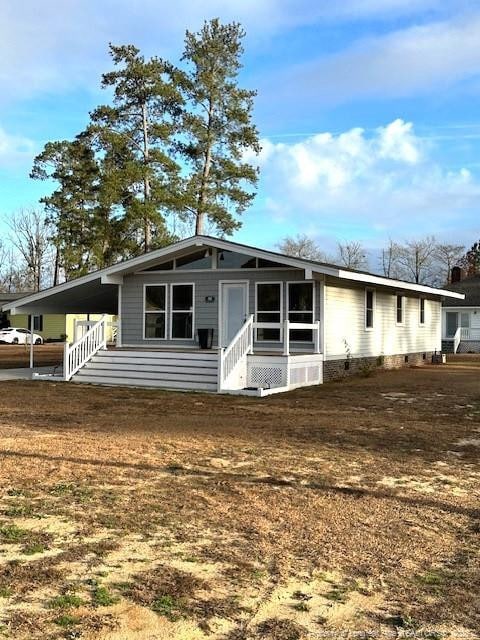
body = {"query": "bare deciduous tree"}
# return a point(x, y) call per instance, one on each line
point(30, 236)
point(448, 256)
point(301, 246)
point(352, 255)
point(388, 260)
point(416, 260)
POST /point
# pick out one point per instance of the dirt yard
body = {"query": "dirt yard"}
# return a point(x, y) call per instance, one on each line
point(45, 355)
point(323, 513)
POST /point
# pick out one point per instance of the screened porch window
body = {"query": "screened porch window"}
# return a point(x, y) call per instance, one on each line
point(300, 309)
point(155, 311)
point(269, 309)
point(182, 311)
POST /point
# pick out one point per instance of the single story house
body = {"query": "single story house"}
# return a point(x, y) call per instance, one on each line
point(461, 317)
point(275, 322)
point(53, 327)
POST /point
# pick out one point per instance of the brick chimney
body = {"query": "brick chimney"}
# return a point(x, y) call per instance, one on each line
point(456, 275)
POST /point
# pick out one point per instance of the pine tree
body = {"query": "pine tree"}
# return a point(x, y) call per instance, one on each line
point(134, 137)
point(216, 128)
point(471, 260)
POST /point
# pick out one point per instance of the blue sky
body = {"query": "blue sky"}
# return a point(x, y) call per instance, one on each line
point(369, 111)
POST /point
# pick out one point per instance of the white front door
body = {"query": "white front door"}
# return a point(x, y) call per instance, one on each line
point(233, 309)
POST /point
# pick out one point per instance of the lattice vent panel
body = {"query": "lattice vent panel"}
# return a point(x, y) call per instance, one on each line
point(266, 377)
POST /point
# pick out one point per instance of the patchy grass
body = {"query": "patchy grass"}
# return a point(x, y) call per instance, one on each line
point(353, 506)
point(17, 356)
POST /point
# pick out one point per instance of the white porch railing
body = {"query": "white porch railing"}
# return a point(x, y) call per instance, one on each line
point(456, 339)
point(232, 365)
point(467, 333)
point(79, 353)
point(287, 326)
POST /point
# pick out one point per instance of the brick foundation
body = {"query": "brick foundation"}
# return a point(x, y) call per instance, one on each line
point(335, 369)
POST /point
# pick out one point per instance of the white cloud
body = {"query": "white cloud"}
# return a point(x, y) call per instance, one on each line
point(59, 44)
point(14, 149)
point(405, 62)
point(375, 185)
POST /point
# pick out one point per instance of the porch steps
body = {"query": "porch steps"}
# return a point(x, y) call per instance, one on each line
point(158, 369)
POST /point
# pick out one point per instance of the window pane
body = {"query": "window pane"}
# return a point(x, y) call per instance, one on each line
point(268, 297)
point(182, 297)
point(182, 325)
point(399, 309)
point(164, 266)
point(271, 335)
point(300, 296)
point(268, 317)
point(265, 264)
point(301, 335)
point(155, 325)
point(301, 317)
point(154, 298)
point(369, 318)
point(196, 260)
point(232, 260)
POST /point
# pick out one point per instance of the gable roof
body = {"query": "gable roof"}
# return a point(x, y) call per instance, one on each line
point(112, 275)
point(470, 287)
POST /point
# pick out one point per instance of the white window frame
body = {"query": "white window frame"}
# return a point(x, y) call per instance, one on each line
point(420, 323)
point(402, 321)
point(257, 311)
point(374, 308)
point(145, 311)
point(287, 310)
point(172, 310)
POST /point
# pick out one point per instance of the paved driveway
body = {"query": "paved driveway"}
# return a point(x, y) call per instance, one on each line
point(24, 373)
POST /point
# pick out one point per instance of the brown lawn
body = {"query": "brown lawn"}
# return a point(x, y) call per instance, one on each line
point(351, 507)
point(45, 355)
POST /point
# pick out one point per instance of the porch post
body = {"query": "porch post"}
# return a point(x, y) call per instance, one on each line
point(31, 341)
point(118, 341)
point(286, 338)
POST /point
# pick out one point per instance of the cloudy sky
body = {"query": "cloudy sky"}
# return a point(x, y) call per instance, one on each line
point(369, 110)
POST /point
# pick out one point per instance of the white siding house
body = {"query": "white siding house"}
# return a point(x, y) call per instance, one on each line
point(461, 318)
point(212, 315)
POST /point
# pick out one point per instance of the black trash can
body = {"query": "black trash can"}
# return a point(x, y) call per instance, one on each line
point(205, 338)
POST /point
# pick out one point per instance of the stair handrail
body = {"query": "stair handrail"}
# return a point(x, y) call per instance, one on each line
point(76, 355)
point(457, 339)
point(235, 354)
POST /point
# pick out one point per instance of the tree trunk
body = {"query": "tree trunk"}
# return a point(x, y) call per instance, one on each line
point(202, 195)
point(147, 227)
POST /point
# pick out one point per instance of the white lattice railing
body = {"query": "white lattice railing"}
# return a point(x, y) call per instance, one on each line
point(79, 353)
point(232, 369)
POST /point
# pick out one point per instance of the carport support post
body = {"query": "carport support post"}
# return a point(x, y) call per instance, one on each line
point(31, 341)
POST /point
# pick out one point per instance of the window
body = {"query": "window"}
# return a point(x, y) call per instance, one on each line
point(421, 307)
point(232, 260)
point(182, 311)
point(199, 260)
point(369, 308)
point(300, 309)
point(37, 322)
point(269, 309)
point(155, 311)
point(400, 309)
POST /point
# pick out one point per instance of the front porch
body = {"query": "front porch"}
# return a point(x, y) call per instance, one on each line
point(236, 369)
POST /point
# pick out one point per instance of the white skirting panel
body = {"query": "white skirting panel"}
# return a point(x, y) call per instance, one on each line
point(286, 372)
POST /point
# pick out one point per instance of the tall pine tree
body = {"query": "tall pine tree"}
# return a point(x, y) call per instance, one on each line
point(134, 137)
point(216, 128)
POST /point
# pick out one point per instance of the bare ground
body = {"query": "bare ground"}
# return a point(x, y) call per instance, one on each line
point(16, 356)
point(129, 514)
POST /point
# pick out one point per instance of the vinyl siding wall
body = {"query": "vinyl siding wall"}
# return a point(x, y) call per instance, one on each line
point(53, 324)
point(206, 313)
point(345, 324)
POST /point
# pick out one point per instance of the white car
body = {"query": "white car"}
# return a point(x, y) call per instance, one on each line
point(11, 335)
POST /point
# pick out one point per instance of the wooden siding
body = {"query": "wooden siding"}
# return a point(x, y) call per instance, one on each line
point(206, 313)
point(345, 324)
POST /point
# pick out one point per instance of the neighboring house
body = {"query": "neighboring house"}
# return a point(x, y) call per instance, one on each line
point(51, 326)
point(461, 318)
point(278, 322)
